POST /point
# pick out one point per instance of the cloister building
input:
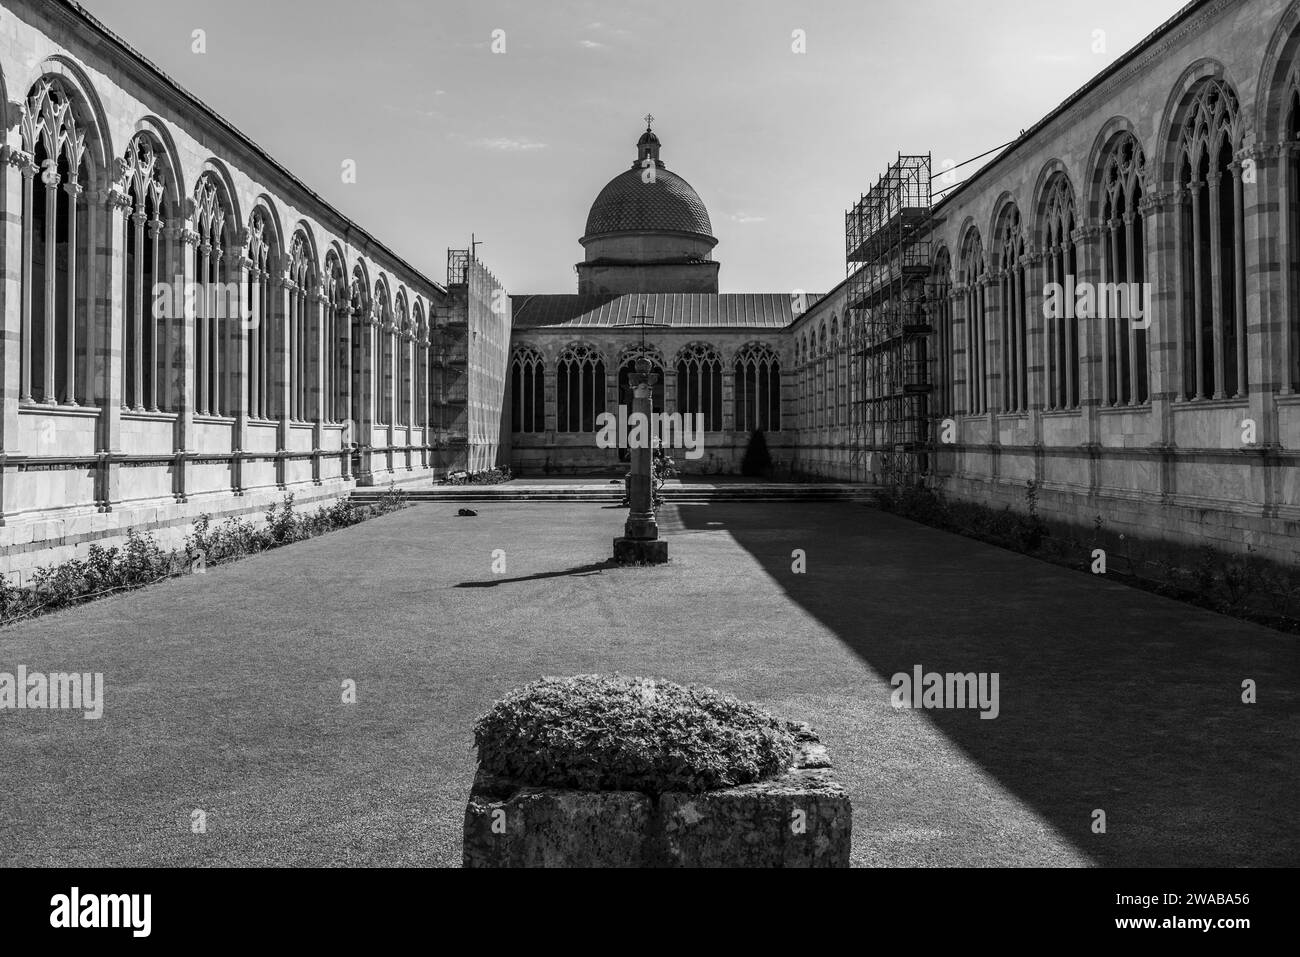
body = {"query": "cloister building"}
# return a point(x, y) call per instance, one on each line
point(189, 328)
point(293, 352)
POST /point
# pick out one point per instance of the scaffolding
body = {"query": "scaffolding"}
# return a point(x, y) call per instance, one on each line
point(888, 257)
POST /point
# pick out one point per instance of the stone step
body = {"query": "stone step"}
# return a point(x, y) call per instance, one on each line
point(614, 494)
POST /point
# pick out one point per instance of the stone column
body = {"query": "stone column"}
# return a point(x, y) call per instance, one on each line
point(350, 428)
point(640, 542)
point(280, 380)
point(320, 353)
point(367, 386)
point(16, 174)
point(186, 358)
point(110, 310)
point(238, 319)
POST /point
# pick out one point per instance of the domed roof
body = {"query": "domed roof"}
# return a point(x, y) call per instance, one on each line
point(633, 201)
point(628, 203)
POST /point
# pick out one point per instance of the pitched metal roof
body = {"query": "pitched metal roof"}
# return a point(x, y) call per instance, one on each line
point(678, 310)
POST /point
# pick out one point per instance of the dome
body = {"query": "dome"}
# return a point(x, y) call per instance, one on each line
point(629, 204)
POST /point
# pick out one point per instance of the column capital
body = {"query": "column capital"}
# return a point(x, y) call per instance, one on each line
point(116, 200)
point(19, 159)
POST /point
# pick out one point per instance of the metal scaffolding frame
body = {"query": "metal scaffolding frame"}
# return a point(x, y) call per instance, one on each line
point(888, 254)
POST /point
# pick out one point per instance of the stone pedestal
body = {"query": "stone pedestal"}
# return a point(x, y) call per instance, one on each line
point(800, 819)
point(640, 551)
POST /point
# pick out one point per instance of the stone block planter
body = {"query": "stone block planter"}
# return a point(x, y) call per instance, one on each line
point(799, 819)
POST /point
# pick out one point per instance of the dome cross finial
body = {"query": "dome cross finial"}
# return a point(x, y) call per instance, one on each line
point(649, 118)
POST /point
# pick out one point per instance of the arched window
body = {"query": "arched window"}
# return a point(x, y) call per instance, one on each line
point(1060, 331)
point(528, 391)
point(56, 251)
point(801, 373)
point(301, 273)
point(361, 373)
point(420, 348)
point(845, 346)
point(757, 389)
point(699, 384)
point(833, 363)
point(211, 332)
point(147, 348)
point(823, 372)
point(1291, 201)
point(1213, 333)
point(579, 388)
point(1122, 302)
point(337, 316)
point(977, 364)
point(387, 355)
point(402, 340)
point(1014, 347)
point(259, 296)
point(939, 297)
point(627, 365)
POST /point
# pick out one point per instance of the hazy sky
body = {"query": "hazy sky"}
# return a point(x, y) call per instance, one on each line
point(450, 138)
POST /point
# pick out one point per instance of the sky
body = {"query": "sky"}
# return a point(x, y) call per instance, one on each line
point(450, 138)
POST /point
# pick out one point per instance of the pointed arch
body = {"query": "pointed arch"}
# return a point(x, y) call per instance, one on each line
point(261, 249)
point(1203, 135)
point(580, 387)
point(939, 305)
point(1057, 222)
point(757, 391)
point(528, 390)
point(974, 280)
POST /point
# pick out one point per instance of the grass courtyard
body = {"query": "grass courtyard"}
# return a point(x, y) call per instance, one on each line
point(223, 691)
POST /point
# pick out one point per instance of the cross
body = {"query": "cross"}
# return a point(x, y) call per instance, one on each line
point(648, 120)
point(642, 321)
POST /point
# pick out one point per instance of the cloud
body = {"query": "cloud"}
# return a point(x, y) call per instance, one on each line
point(747, 218)
point(590, 44)
point(506, 144)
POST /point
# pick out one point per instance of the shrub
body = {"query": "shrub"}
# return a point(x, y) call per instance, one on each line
point(597, 733)
point(142, 561)
point(757, 461)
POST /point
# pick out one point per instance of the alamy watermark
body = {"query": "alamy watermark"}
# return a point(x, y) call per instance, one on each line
point(932, 690)
point(57, 691)
point(1106, 300)
point(636, 430)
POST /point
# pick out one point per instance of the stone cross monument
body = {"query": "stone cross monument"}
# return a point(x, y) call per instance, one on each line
point(640, 542)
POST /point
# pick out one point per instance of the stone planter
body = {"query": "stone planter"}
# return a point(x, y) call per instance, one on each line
point(800, 819)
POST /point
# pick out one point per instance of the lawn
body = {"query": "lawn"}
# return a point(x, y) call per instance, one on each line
point(224, 691)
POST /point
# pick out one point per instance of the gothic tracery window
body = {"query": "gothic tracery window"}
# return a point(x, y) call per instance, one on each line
point(1121, 299)
point(1060, 330)
point(212, 332)
point(1013, 347)
point(757, 389)
point(579, 388)
point(301, 274)
point(335, 291)
point(359, 354)
point(977, 366)
point(258, 297)
point(940, 305)
point(699, 384)
point(54, 367)
point(1213, 333)
point(149, 329)
point(528, 391)
point(1291, 200)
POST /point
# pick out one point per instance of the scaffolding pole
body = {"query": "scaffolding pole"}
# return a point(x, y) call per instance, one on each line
point(888, 256)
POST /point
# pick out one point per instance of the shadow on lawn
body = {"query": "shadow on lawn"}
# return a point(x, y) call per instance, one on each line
point(593, 569)
point(1111, 698)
